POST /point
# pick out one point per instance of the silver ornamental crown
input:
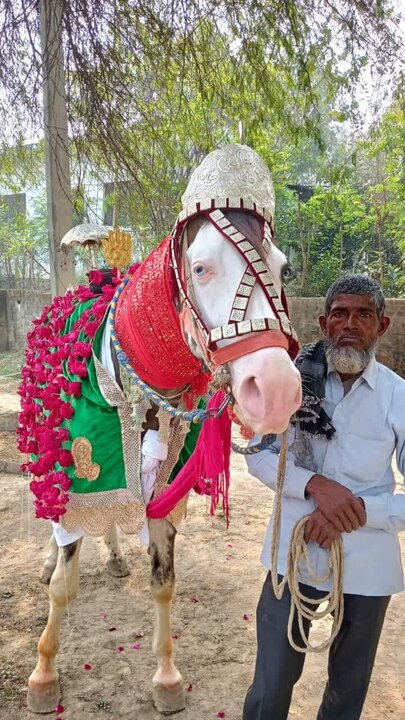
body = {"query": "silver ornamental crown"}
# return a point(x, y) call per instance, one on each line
point(232, 177)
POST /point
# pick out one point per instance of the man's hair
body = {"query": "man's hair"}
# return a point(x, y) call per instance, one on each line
point(356, 285)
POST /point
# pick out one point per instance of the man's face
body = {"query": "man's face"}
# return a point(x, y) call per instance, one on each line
point(353, 322)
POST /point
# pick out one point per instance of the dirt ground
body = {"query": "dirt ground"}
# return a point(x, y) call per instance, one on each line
point(215, 644)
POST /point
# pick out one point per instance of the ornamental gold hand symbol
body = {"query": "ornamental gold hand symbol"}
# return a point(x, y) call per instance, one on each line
point(117, 248)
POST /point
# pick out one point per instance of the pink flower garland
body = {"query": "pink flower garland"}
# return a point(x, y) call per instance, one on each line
point(43, 407)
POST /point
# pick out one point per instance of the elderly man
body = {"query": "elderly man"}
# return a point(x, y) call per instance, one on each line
point(339, 471)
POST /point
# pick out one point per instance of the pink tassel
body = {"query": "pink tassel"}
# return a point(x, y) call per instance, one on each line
point(207, 470)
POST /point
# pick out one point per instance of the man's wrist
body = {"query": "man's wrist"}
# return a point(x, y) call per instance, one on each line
point(310, 487)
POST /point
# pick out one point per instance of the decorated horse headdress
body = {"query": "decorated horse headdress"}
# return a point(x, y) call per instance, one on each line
point(149, 326)
point(234, 178)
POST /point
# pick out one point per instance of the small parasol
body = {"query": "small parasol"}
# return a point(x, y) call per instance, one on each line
point(86, 234)
point(115, 242)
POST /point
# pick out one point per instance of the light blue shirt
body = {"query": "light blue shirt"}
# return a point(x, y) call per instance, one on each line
point(370, 427)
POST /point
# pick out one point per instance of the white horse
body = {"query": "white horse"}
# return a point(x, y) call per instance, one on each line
point(264, 383)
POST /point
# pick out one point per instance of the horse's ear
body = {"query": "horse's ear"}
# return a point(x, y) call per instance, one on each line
point(192, 228)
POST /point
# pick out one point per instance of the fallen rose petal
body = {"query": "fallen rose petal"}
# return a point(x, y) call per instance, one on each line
point(139, 634)
point(230, 545)
point(246, 616)
point(190, 687)
point(194, 599)
point(120, 648)
point(59, 709)
point(86, 666)
point(175, 637)
point(220, 715)
point(59, 718)
point(111, 629)
point(136, 646)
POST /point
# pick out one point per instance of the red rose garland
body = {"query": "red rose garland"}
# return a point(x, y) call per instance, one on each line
point(42, 408)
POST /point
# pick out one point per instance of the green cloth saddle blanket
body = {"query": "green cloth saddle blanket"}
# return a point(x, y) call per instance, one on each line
point(106, 437)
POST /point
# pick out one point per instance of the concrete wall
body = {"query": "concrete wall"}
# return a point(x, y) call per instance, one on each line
point(19, 307)
point(22, 307)
point(304, 313)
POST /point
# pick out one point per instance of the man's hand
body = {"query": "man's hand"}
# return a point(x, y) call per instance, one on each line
point(337, 503)
point(320, 530)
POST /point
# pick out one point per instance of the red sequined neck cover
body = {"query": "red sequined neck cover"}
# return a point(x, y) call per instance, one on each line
point(148, 328)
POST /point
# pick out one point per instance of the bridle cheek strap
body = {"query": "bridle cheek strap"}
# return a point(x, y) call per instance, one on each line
point(249, 344)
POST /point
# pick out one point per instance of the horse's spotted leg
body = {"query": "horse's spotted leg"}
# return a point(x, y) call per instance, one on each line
point(43, 686)
point(116, 565)
point(50, 561)
point(168, 689)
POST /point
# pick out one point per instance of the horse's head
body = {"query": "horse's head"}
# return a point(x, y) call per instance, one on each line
point(230, 275)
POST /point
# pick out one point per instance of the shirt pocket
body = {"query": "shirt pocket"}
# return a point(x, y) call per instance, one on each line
point(365, 459)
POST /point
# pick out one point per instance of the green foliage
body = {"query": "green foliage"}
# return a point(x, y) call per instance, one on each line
point(152, 87)
point(24, 254)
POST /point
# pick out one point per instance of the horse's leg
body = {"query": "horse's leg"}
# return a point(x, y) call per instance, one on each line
point(43, 685)
point(168, 690)
point(116, 565)
point(50, 561)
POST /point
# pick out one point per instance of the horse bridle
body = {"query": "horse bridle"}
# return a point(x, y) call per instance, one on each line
point(262, 332)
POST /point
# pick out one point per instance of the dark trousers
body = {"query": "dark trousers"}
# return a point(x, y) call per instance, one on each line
point(279, 666)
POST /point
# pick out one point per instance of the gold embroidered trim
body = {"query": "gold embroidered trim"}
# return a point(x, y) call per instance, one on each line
point(84, 467)
point(98, 521)
point(177, 433)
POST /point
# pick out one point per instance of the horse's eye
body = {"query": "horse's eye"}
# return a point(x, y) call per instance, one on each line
point(287, 273)
point(199, 270)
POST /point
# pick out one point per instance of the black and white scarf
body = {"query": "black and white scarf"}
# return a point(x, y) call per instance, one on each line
point(311, 418)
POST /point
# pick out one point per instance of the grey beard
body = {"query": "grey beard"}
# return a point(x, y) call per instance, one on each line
point(348, 361)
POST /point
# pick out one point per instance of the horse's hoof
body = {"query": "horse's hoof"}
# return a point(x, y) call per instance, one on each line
point(117, 567)
point(169, 700)
point(44, 697)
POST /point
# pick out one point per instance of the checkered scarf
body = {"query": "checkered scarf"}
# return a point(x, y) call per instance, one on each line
point(311, 418)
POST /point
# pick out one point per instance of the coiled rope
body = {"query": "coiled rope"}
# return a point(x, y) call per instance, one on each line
point(297, 551)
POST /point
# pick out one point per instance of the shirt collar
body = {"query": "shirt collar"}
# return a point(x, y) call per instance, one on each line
point(369, 373)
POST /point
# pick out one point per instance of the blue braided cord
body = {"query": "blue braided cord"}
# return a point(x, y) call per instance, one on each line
point(194, 416)
point(264, 443)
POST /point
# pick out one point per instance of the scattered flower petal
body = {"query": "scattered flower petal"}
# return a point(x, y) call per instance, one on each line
point(194, 599)
point(220, 714)
point(112, 628)
point(59, 709)
point(139, 634)
point(120, 648)
point(136, 646)
point(230, 545)
point(190, 687)
point(246, 616)
point(175, 637)
point(86, 666)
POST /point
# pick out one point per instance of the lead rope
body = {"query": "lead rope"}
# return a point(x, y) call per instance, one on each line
point(297, 551)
